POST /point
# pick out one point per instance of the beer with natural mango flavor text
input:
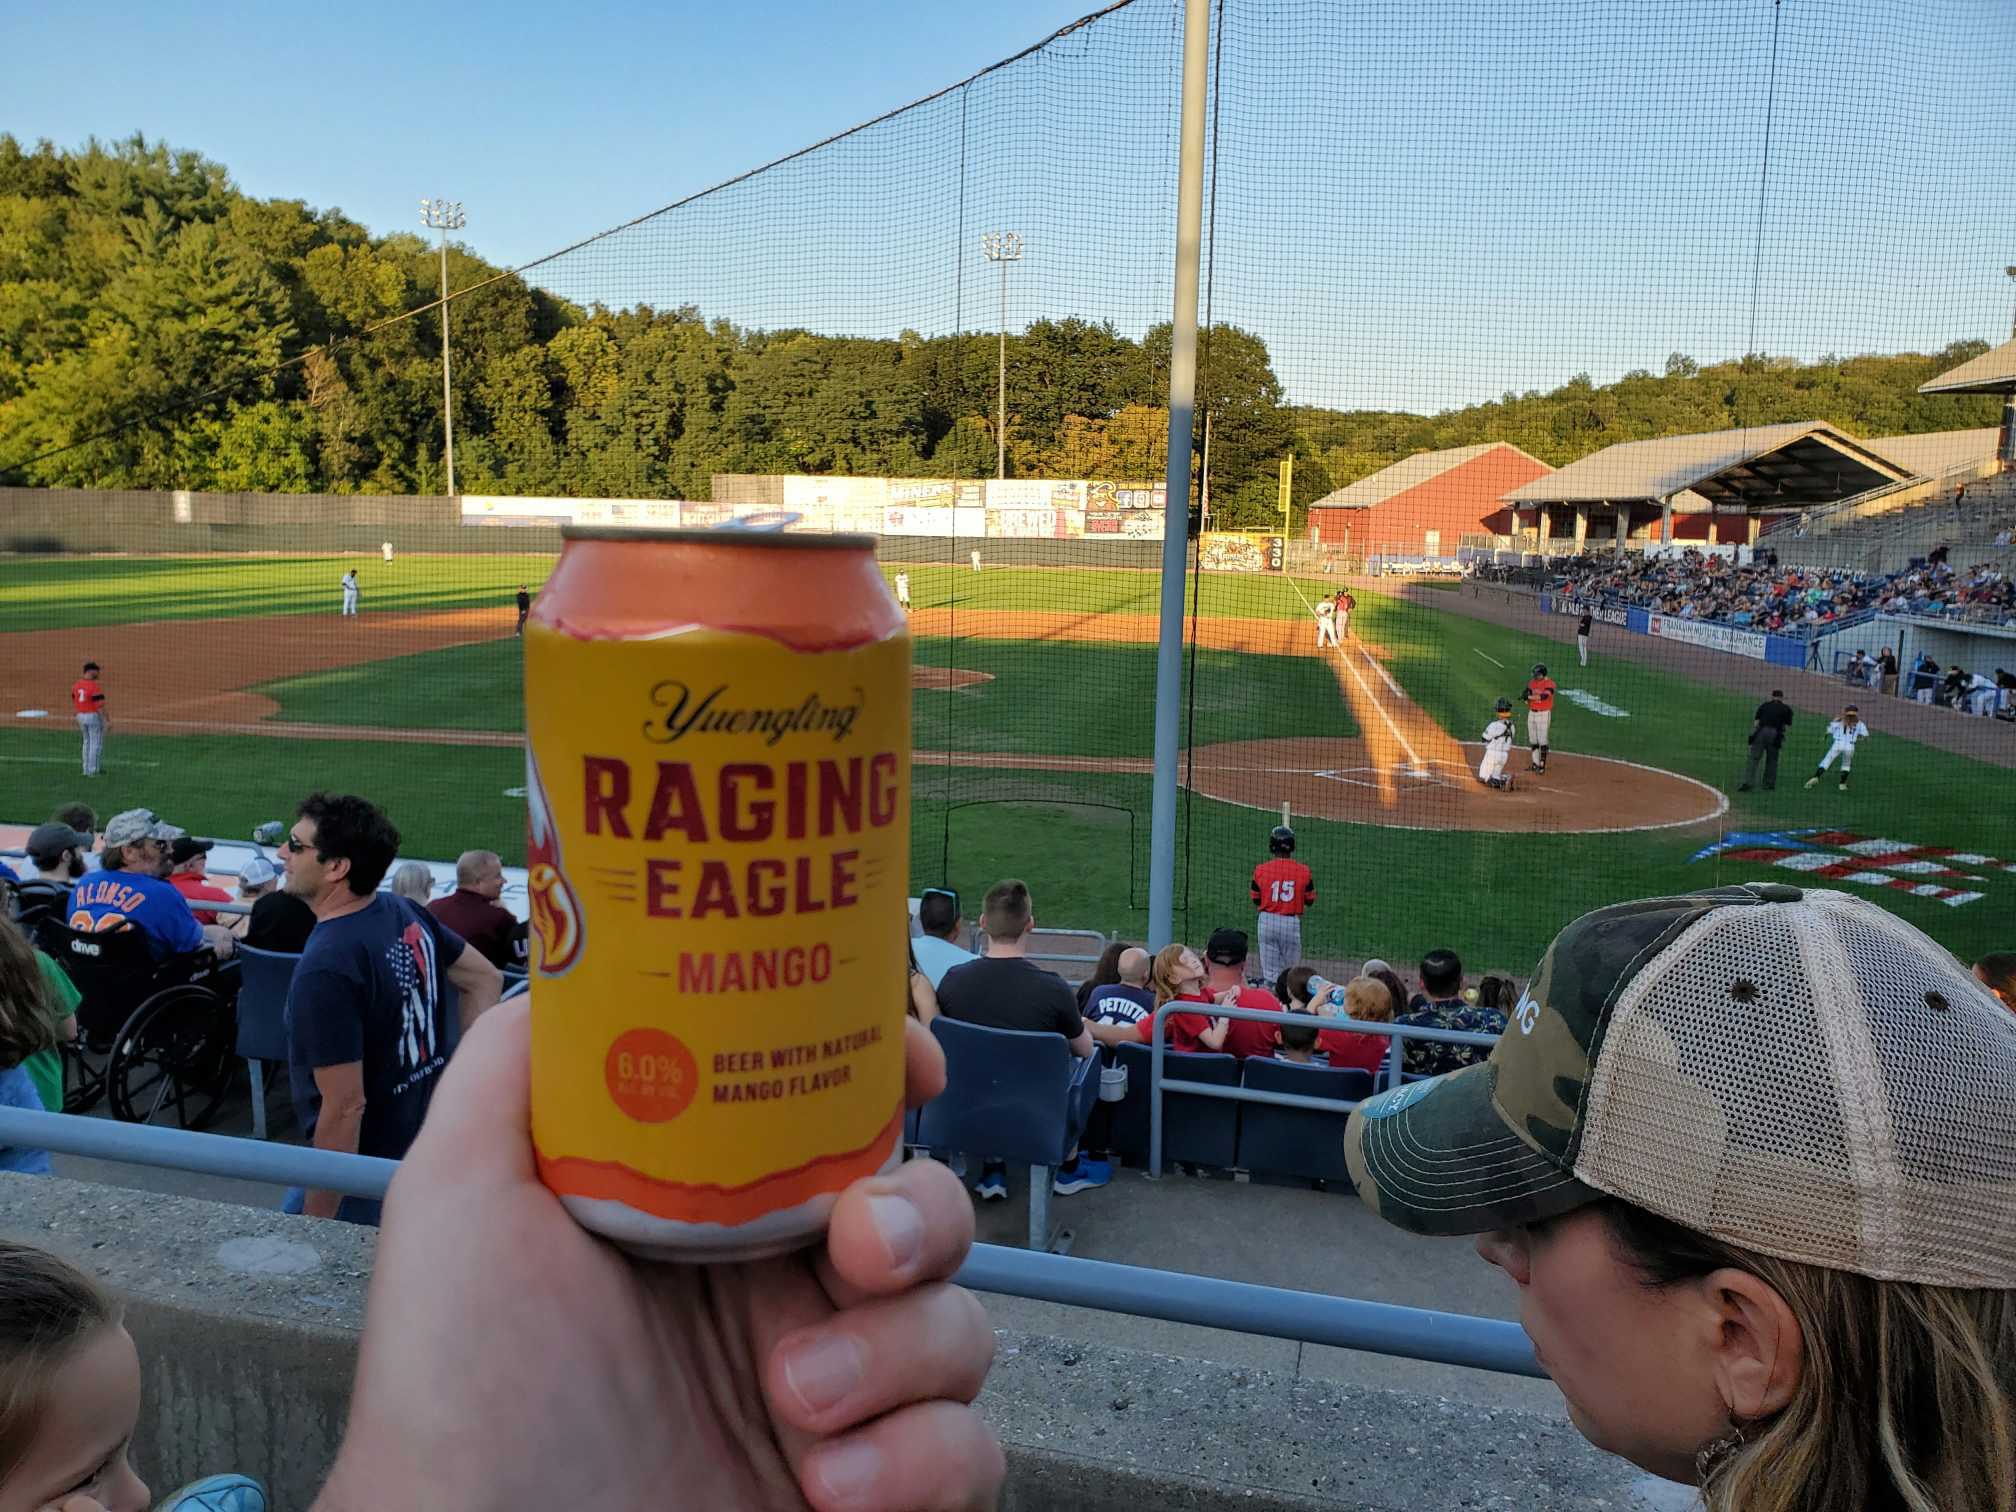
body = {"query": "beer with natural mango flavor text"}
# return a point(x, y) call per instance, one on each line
point(719, 789)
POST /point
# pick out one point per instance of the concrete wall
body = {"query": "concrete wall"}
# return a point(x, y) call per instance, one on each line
point(247, 1323)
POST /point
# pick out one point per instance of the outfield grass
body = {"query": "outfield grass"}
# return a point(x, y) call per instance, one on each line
point(46, 593)
point(55, 593)
point(1044, 697)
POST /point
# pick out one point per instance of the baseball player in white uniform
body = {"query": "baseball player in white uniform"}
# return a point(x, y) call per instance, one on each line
point(1843, 735)
point(1497, 749)
point(973, 556)
point(1326, 622)
point(903, 589)
point(387, 548)
point(350, 591)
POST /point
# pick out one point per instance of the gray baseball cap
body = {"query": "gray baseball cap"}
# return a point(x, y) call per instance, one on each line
point(46, 842)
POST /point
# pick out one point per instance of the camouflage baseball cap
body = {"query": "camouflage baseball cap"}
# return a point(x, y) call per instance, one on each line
point(1798, 1073)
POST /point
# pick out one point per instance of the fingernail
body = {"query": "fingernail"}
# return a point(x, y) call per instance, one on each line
point(849, 1472)
point(900, 1227)
point(822, 1371)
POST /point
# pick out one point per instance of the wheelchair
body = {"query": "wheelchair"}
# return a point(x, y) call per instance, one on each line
point(153, 1037)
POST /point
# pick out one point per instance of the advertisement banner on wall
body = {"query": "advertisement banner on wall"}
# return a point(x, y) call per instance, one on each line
point(933, 521)
point(1070, 523)
point(1103, 495)
point(701, 516)
point(1102, 522)
point(1018, 493)
point(1727, 638)
point(969, 521)
point(1068, 495)
point(1142, 525)
point(921, 493)
point(1237, 551)
point(859, 518)
point(1021, 524)
point(1573, 608)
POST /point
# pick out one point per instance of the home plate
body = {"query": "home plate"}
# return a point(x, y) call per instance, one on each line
point(1415, 771)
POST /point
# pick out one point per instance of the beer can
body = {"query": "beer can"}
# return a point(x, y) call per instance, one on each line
point(719, 796)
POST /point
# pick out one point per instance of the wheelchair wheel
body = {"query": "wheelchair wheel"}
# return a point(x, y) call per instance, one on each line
point(83, 1077)
point(172, 1059)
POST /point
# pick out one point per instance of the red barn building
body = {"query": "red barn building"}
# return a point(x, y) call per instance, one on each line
point(1426, 504)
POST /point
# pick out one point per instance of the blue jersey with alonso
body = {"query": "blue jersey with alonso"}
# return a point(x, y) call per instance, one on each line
point(108, 900)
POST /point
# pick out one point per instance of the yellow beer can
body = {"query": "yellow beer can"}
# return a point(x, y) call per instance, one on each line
point(719, 796)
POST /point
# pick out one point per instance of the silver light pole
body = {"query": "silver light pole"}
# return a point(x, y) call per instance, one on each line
point(445, 216)
point(1003, 247)
point(1176, 500)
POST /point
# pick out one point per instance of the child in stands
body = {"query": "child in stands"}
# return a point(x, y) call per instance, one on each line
point(70, 1399)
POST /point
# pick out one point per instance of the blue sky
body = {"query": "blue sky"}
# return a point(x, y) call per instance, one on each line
point(1417, 206)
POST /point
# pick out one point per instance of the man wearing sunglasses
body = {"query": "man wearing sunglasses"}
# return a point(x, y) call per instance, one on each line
point(937, 948)
point(131, 891)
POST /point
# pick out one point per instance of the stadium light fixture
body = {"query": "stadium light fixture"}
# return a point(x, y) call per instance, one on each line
point(445, 216)
point(1003, 247)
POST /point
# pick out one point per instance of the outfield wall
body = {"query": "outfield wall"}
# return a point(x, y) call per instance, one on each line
point(175, 522)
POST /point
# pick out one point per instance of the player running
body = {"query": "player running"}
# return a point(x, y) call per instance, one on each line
point(1497, 749)
point(1282, 888)
point(1538, 696)
point(1843, 735)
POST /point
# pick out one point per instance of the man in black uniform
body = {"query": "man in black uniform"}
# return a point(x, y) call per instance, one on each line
point(1582, 636)
point(524, 607)
point(1767, 737)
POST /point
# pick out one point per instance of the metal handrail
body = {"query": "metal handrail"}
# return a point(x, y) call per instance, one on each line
point(1274, 1312)
point(1977, 467)
point(1159, 1049)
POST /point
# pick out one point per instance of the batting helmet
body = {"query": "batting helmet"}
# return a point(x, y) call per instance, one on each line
point(1504, 706)
point(1539, 669)
point(1281, 840)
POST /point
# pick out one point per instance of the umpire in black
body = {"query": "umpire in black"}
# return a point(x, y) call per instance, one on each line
point(1767, 738)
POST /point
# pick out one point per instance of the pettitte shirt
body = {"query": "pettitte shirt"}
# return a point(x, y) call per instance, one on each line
point(1283, 886)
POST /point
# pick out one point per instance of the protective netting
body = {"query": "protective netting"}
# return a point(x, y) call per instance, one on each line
point(1453, 254)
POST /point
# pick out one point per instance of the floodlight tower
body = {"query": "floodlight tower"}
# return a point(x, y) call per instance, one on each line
point(1003, 247)
point(445, 216)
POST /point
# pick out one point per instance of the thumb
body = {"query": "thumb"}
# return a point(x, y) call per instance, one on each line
point(75, 1504)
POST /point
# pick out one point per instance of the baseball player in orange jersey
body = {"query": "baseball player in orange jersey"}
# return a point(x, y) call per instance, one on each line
point(1282, 888)
point(1538, 696)
point(87, 701)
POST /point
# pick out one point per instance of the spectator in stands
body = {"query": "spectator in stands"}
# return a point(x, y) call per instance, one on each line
point(1121, 1012)
point(1784, 1347)
point(132, 891)
point(27, 1029)
point(188, 870)
point(1924, 675)
point(413, 881)
point(368, 1026)
point(1105, 972)
point(1178, 977)
point(920, 999)
point(1859, 669)
point(1004, 989)
point(1225, 982)
point(1441, 1006)
point(82, 818)
point(32, 983)
point(1997, 972)
point(1303, 990)
point(1296, 1042)
point(472, 910)
point(279, 921)
point(55, 862)
point(1380, 972)
point(937, 947)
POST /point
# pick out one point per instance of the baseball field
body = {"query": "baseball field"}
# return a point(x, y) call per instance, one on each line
point(235, 687)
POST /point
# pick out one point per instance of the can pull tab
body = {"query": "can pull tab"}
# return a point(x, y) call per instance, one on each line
point(768, 520)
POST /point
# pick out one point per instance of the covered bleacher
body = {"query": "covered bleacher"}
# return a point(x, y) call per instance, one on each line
point(1719, 486)
point(1993, 372)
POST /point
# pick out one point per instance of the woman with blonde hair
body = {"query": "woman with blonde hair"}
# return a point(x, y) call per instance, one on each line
point(1758, 1244)
point(1178, 976)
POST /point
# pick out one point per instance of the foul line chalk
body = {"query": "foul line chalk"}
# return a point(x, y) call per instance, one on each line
point(1491, 659)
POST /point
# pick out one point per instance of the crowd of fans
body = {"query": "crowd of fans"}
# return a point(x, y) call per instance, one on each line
point(1786, 600)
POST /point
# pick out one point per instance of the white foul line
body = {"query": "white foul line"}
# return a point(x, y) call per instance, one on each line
point(1491, 659)
point(1353, 668)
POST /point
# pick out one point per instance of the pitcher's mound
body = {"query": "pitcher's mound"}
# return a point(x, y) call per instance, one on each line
point(1338, 779)
point(945, 679)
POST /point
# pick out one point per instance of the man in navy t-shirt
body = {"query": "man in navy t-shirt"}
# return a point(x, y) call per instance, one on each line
point(370, 1021)
point(1120, 1014)
point(131, 890)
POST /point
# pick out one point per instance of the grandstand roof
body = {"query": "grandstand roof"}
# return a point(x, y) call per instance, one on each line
point(1765, 466)
point(1991, 372)
point(1409, 472)
point(1936, 451)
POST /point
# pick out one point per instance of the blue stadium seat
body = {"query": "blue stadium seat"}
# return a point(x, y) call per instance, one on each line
point(262, 1019)
point(1013, 1096)
point(1195, 1130)
point(1302, 1142)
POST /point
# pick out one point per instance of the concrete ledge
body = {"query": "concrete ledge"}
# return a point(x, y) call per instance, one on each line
point(247, 1324)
